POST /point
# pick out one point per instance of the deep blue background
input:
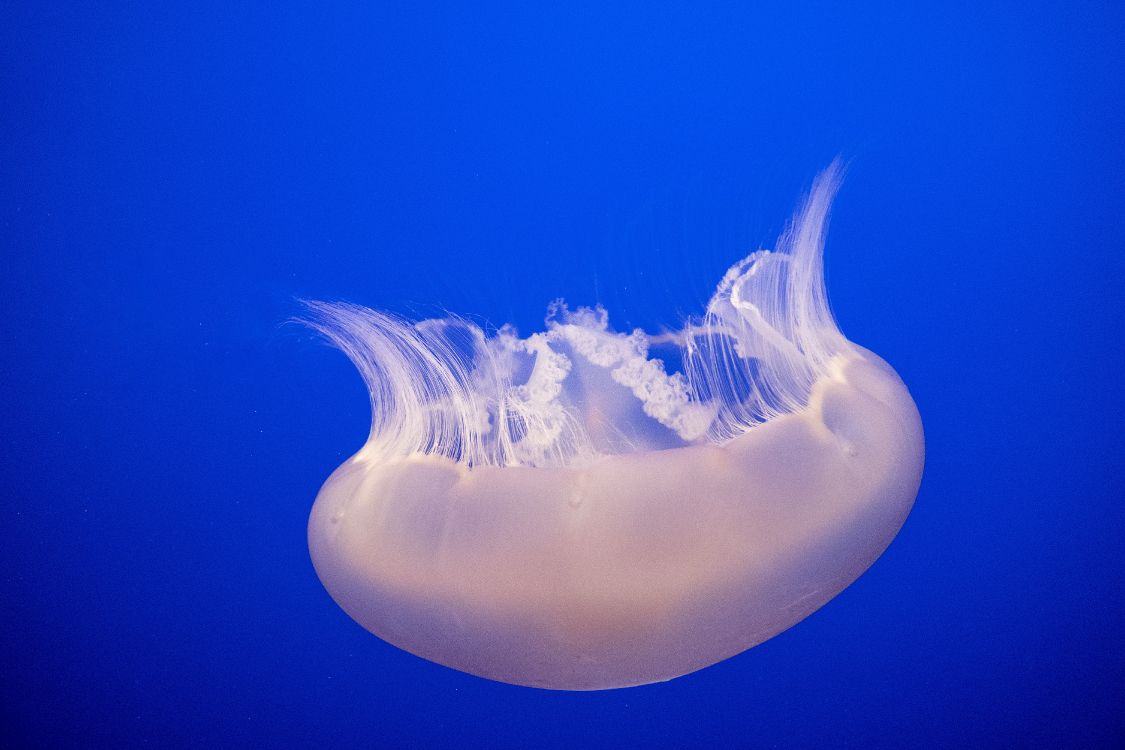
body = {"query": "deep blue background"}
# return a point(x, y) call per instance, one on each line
point(172, 178)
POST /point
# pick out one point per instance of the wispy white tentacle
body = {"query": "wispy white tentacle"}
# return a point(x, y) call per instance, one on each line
point(580, 389)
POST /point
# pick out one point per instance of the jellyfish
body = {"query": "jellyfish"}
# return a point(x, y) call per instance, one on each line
point(583, 508)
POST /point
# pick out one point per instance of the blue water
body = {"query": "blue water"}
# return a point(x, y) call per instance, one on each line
point(173, 178)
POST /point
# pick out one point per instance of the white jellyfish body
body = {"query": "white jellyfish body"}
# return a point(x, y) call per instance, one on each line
point(560, 511)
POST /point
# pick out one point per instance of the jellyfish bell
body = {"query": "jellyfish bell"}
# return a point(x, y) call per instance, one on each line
point(560, 511)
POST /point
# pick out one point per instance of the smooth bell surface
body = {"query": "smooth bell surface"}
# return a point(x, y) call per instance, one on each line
point(638, 567)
